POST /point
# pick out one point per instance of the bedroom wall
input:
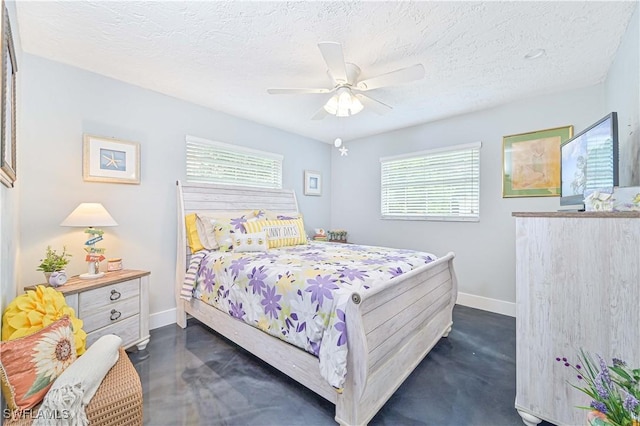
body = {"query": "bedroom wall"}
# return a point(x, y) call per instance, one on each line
point(622, 88)
point(485, 250)
point(9, 218)
point(61, 102)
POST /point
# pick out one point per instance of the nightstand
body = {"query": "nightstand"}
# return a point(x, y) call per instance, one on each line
point(117, 303)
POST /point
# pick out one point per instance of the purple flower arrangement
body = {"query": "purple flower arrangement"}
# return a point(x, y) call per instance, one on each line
point(614, 390)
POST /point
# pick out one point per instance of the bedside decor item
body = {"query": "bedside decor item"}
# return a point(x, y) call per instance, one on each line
point(338, 235)
point(110, 160)
point(614, 390)
point(30, 364)
point(320, 234)
point(53, 261)
point(312, 183)
point(531, 163)
point(114, 264)
point(8, 131)
point(32, 311)
point(89, 215)
point(58, 278)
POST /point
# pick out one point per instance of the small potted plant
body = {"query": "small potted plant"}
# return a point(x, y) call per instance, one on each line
point(53, 262)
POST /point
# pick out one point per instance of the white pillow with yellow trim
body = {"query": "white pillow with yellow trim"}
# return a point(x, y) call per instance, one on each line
point(280, 233)
point(256, 241)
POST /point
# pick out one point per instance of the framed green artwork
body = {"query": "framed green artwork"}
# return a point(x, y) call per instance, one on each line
point(531, 162)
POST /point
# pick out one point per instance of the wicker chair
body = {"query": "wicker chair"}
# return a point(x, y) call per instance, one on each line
point(117, 402)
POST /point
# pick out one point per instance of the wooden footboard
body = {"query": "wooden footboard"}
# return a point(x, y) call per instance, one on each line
point(389, 329)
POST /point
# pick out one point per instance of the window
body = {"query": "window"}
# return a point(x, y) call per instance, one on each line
point(217, 162)
point(439, 184)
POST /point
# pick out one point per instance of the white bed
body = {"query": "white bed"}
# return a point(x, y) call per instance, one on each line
point(389, 330)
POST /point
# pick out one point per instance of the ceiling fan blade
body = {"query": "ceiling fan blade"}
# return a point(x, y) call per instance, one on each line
point(373, 104)
point(285, 91)
point(322, 113)
point(333, 56)
point(403, 75)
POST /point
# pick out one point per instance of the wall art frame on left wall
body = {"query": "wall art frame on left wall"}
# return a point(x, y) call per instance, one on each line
point(9, 69)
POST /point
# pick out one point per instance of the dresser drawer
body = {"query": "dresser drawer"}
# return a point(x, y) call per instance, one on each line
point(111, 314)
point(91, 300)
point(128, 330)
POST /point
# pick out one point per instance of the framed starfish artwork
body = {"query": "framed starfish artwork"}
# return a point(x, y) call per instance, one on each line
point(110, 160)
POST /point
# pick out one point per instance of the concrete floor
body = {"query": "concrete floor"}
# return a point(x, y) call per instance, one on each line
point(196, 377)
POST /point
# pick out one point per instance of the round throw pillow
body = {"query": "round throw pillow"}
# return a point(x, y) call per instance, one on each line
point(39, 308)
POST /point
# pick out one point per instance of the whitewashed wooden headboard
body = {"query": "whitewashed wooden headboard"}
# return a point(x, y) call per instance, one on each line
point(208, 198)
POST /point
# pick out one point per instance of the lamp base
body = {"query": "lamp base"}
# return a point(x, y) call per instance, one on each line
point(91, 276)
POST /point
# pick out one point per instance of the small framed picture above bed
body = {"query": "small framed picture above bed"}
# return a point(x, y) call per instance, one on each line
point(312, 183)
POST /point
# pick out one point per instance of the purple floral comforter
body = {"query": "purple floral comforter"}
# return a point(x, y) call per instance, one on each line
point(299, 293)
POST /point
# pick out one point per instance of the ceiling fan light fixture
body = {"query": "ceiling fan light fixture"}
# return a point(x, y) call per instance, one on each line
point(343, 104)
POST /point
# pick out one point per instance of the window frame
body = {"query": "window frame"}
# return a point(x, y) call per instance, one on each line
point(426, 153)
point(236, 149)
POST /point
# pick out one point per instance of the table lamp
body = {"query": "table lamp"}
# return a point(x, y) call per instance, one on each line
point(90, 215)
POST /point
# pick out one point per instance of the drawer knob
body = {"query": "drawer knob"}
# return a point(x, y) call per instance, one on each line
point(115, 295)
point(115, 314)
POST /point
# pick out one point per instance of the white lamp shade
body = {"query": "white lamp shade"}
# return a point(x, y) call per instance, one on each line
point(89, 214)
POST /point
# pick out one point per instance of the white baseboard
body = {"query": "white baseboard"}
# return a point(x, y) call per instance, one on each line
point(487, 304)
point(160, 319)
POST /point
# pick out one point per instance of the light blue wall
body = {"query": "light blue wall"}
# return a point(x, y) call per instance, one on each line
point(485, 255)
point(9, 217)
point(622, 89)
point(61, 102)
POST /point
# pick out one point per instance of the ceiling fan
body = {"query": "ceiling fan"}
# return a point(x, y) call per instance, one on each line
point(348, 98)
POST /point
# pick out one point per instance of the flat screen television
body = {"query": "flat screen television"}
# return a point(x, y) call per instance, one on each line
point(589, 161)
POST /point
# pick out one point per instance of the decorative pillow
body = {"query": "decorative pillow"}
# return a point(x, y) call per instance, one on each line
point(280, 233)
point(29, 365)
point(256, 241)
point(193, 239)
point(269, 215)
point(206, 234)
point(225, 228)
point(36, 309)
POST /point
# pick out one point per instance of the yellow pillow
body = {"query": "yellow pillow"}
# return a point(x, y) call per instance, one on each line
point(29, 365)
point(32, 311)
point(280, 233)
point(192, 233)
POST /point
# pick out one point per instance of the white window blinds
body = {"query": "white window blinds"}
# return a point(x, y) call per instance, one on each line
point(440, 184)
point(217, 162)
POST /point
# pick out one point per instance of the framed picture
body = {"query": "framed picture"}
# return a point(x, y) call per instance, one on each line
point(8, 128)
point(531, 163)
point(110, 160)
point(312, 183)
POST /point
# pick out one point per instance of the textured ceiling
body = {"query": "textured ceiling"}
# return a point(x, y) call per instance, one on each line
point(225, 54)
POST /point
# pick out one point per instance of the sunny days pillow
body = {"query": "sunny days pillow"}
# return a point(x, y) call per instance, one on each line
point(280, 233)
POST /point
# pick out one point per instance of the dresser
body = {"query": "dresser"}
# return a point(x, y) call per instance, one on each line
point(577, 287)
point(117, 303)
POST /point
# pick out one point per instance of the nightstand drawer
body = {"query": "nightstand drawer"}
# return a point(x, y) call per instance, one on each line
point(91, 300)
point(128, 330)
point(111, 314)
